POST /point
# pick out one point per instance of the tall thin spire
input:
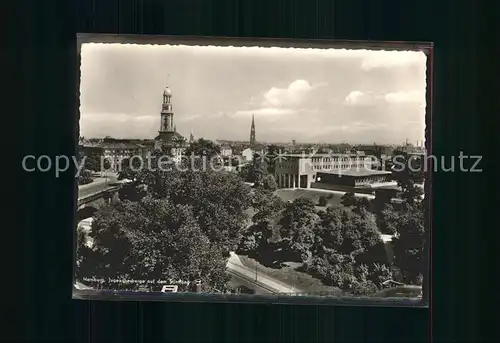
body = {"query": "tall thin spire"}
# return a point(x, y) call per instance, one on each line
point(191, 136)
point(252, 131)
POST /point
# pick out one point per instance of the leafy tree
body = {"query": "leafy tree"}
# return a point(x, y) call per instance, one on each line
point(273, 151)
point(219, 199)
point(244, 172)
point(381, 199)
point(362, 206)
point(132, 192)
point(269, 183)
point(249, 243)
point(348, 199)
point(408, 172)
point(348, 252)
point(386, 219)
point(129, 169)
point(93, 162)
point(297, 228)
point(85, 177)
point(409, 243)
point(257, 171)
point(380, 273)
point(152, 239)
point(267, 206)
point(203, 147)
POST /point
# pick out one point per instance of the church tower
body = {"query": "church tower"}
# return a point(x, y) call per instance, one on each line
point(167, 127)
point(252, 132)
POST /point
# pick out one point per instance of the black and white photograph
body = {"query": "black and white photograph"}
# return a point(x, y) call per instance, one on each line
point(247, 170)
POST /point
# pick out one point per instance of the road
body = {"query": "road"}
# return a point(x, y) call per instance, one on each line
point(329, 191)
point(259, 283)
point(99, 184)
point(238, 281)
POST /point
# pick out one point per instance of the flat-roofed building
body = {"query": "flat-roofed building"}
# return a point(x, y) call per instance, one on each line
point(352, 180)
point(115, 151)
point(299, 170)
point(334, 162)
point(294, 171)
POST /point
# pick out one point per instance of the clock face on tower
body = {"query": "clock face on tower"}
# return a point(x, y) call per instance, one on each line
point(167, 107)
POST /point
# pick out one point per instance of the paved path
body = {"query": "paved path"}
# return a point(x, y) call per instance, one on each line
point(329, 191)
point(99, 184)
point(234, 265)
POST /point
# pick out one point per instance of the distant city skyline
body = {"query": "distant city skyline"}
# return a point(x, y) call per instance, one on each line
point(307, 95)
point(353, 143)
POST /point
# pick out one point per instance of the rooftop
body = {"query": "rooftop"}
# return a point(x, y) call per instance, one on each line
point(118, 145)
point(355, 172)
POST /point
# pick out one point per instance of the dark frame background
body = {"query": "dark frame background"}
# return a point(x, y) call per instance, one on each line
point(43, 309)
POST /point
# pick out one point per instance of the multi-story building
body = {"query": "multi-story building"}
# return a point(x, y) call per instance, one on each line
point(334, 162)
point(226, 150)
point(301, 170)
point(294, 171)
point(116, 150)
point(353, 180)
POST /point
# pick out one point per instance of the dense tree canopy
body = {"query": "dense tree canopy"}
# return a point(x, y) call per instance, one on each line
point(297, 228)
point(257, 170)
point(408, 172)
point(85, 177)
point(219, 199)
point(180, 223)
point(203, 147)
point(409, 242)
point(152, 239)
point(172, 222)
point(349, 199)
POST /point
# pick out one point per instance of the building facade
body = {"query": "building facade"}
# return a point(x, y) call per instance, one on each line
point(300, 170)
point(294, 171)
point(114, 151)
point(334, 162)
point(352, 180)
point(226, 150)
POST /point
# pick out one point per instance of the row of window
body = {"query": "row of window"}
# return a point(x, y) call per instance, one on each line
point(328, 166)
point(120, 151)
point(371, 179)
point(339, 159)
point(340, 166)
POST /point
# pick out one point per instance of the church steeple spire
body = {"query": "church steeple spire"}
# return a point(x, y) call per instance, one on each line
point(167, 115)
point(252, 131)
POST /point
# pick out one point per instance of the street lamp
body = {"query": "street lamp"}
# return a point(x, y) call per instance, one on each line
point(256, 273)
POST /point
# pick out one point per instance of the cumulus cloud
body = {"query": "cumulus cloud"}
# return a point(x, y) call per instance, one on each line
point(359, 98)
point(278, 102)
point(417, 97)
point(293, 95)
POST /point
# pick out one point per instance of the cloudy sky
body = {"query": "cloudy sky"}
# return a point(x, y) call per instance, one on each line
point(310, 95)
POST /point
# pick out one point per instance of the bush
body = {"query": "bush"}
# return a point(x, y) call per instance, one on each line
point(322, 201)
point(85, 177)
